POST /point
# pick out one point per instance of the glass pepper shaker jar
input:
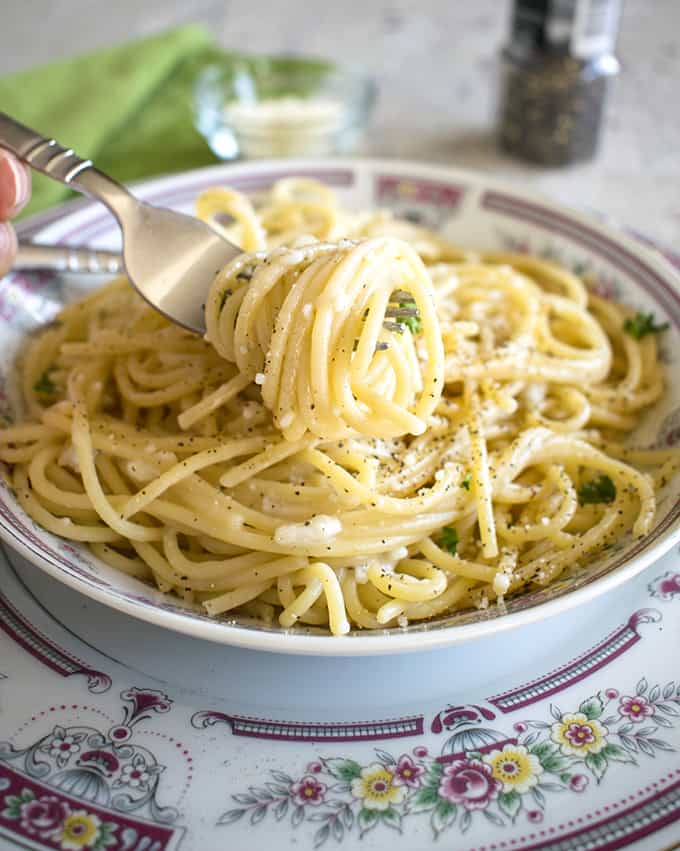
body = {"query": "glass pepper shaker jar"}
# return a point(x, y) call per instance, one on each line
point(556, 71)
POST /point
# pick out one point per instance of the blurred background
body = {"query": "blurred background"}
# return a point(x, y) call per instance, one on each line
point(436, 67)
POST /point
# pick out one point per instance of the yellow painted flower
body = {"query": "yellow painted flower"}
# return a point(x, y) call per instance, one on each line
point(515, 767)
point(578, 735)
point(375, 787)
point(79, 830)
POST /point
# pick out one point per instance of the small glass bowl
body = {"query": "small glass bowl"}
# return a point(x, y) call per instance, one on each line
point(281, 107)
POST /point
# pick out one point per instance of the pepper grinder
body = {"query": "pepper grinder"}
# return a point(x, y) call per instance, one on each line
point(556, 71)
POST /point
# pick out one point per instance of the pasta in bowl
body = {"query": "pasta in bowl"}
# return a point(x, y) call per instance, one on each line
point(390, 430)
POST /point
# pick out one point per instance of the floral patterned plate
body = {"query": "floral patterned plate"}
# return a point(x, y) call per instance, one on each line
point(115, 734)
point(474, 212)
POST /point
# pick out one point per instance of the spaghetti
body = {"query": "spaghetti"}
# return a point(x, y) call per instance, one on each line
point(378, 428)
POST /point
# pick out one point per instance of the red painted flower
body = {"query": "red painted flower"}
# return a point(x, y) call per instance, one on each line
point(470, 783)
point(315, 767)
point(420, 751)
point(578, 782)
point(611, 693)
point(407, 773)
point(308, 790)
point(535, 816)
point(636, 708)
point(43, 816)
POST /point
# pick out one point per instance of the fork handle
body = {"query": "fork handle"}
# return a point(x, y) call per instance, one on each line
point(63, 164)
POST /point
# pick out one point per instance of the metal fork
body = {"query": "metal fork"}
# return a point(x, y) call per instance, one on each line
point(171, 259)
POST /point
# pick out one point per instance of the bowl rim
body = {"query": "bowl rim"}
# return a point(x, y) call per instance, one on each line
point(384, 642)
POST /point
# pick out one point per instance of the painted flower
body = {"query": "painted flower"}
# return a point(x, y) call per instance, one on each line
point(375, 786)
point(63, 745)
point(514, 767)
point(420, 751)
point(470, 783)
point(666, 587)
point(578, 782)
point(135, 774)
point(79, 830)
point(636, 708)
point(315, 768)
point(308, 790)
point(611, 693)
point(407, 773)
point(577, 735)
point(43, 816)
point(535, 816)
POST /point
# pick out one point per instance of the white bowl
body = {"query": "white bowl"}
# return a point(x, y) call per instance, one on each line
point(474, 212)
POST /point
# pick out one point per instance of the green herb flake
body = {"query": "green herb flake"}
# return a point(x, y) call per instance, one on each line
point(45, 386)
point(642, 324)
point(601, 489)
point(467, 481)
point(449, 539)
point(413, 323)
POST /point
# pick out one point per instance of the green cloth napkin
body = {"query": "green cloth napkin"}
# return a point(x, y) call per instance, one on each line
point(128, 108)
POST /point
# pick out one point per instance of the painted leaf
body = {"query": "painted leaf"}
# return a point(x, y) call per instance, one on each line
point(338, 830)
point(343, 769)
point(617, 753)
point(443, 816)
point(552, 787)
point(668, 690)
point(242, 798)
point(367, 820)
point(555, 712)
point(276, 789)
point(493, 818)
point(425, 799)
point(591, 708)
point(230, 816)
point(348, 817)
point(258, 814)
point(661, 745)
point(282, 777)
point(465, 821)
point(538, 796)
point(597, 764)
point(628, 742)
point(641, 687)
point(655, 694)
point(645, 747)
point(392, 818)
point(384, 757)
point(298, 815)
point(280, 809)
point(321, 835)
point(260, 793)
point(668, 708)
point(663, 722)
point(510, 803)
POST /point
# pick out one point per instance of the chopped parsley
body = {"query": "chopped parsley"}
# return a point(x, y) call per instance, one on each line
point(642, 324)
point(413, 323)
point(449, 539)
point(467, 481)
point(601, 489)
point(45, 386)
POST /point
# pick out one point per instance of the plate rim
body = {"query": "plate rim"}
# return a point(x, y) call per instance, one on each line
point(385, 642)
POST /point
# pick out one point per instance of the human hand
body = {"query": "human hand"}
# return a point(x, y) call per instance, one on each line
point(15, 190)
